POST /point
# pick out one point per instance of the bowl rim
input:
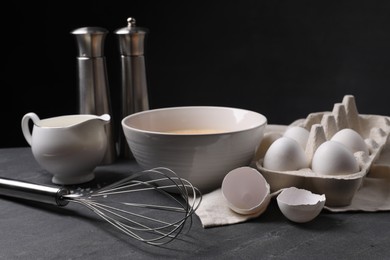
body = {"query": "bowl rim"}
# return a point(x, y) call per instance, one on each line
point(124, 125)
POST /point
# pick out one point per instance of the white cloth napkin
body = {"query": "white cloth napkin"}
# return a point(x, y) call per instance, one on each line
point(213, 211)
point(374, 195)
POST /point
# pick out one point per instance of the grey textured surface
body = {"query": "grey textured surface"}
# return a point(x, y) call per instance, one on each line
point(30, 230)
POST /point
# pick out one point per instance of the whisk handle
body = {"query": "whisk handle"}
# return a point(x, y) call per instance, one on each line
point(34, 192)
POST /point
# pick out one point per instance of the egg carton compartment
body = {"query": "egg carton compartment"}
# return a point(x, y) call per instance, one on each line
point(381, 166)
point(338, 189)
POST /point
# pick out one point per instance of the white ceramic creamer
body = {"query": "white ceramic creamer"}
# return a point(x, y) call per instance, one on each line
point(70, 147)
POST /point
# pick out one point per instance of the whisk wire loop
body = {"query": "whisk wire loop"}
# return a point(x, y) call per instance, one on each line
point(123, 216)
point(124, 205)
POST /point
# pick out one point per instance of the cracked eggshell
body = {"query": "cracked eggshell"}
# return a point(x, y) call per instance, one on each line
point(300, 205)
point(246, 191)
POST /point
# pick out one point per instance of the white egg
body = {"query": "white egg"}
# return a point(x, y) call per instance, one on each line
point(285, 154)
point(299, 134)
point(351, 139)
point(268, 139)
point(333, 158)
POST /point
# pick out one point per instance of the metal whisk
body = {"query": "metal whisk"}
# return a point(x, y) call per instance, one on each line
point(154, 222)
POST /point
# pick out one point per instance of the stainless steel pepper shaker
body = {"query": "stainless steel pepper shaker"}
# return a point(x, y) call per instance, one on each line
point(134, 83)
point(94, 96)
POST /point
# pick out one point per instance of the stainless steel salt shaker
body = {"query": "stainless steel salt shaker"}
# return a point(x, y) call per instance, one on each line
point(134, 83)
point(94, 96)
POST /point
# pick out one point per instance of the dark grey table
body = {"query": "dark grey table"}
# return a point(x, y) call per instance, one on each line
point(30, 230)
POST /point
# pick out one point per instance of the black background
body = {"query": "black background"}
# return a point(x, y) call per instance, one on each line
point(284, 59)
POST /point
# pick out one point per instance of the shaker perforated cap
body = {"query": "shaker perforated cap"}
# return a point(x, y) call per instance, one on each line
point(131, 38)
point(90, 41)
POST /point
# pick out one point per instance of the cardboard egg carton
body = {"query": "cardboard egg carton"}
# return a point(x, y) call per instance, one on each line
point(338, 189)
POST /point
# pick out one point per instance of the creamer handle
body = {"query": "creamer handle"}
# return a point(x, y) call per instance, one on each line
point(25, 127)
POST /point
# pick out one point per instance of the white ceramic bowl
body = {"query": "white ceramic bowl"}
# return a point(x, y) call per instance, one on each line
point(200, 143)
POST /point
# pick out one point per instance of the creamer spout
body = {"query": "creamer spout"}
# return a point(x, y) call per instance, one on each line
point(105, 117)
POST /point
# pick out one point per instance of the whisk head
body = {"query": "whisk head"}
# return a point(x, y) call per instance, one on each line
point(156, 218)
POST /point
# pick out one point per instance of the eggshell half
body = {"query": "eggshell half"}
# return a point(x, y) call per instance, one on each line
point(300, 205)
point(246, 191)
